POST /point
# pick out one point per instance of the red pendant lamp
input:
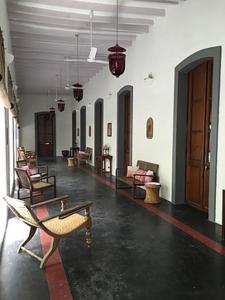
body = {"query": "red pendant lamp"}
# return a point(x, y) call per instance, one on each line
point(60, 102)
point(77, 87)
point(117, 59)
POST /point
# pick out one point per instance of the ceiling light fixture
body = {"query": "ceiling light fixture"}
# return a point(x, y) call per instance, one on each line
point(78, 88)
point(117, 58)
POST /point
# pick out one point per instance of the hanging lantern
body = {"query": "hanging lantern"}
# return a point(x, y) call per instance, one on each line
point(61, 105)
point(77, 87)
point(117, 58)
point(78, 91)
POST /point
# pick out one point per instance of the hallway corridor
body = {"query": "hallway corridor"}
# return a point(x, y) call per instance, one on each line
point(135, 254)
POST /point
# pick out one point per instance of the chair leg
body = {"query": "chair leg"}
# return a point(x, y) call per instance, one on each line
point(54, 245)
point(30, 235)
point(88, 233)
point(18, 193)
point(54, 190)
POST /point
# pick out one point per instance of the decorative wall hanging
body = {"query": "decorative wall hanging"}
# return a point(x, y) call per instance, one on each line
point(77, 87)
point(89, 130)
point(117, 57)
point(109, 129)
point(149, 128)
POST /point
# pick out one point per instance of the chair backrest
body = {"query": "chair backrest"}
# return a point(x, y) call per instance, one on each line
point(88, 151)
point(23, 178)
point(144, 165)
point(21, 153)
point(21, 163)
point(22, 210)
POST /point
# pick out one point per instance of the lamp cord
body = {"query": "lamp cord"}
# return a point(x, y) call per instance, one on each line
point(117, 21)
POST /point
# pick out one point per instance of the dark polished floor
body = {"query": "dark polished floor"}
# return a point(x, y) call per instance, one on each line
point(136, 254)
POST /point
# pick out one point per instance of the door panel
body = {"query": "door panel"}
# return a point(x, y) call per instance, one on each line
point(45, 134)
point(197, 164)
point(127, 131)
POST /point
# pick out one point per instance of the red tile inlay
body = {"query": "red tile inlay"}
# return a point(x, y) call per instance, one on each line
point(217, 247)
point(57, 282)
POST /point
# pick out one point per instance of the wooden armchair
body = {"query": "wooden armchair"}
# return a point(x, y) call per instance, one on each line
point(57, 226)
point(39, 185)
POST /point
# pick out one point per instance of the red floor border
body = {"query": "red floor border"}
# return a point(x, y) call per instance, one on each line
point(56, 277)
point(217, 247)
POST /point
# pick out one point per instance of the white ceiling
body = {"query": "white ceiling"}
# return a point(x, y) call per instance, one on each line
point(43, 33)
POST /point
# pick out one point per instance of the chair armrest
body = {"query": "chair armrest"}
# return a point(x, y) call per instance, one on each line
point(50, 201)
point(67, 212)
point(47, 177)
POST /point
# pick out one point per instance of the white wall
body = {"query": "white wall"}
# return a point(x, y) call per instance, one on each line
point(29, 105)
point(187, 28)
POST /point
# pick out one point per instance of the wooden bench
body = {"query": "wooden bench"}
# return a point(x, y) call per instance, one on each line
point(86, 156)
point(133, 182)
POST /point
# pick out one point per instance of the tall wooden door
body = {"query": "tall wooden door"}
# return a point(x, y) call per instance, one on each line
point(198, 136)
point(127, 130)
point(74, 129)
point(98, 128)
point(83, 128)
point(45, 134)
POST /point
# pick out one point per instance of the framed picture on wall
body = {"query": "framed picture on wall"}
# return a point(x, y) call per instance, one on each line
point(78, 133)
point(149, 128)
point(109, 129)
point(89, 130)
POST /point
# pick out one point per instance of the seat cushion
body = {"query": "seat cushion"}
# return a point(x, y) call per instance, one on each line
point(65, 225)
point(141, 178)
point(41, 185)
point(131, 171)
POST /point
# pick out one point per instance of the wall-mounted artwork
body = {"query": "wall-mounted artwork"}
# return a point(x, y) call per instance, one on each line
point(109, 129)
point(149, 128)
point(78, 132)
point(89, 131)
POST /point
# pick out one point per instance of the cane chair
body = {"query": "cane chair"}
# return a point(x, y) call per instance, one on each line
point(57, 226)
point(34, 186)
point(30, 156)
point(42, 170)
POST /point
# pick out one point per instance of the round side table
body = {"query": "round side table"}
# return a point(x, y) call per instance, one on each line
point(70, 161)
point(152, 192)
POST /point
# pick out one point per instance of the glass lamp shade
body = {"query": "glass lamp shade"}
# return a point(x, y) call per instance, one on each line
point(78, 91)
point(117, 60)
point(61, 105)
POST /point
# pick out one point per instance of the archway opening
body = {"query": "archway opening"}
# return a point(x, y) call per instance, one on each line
point(83, 128)
point(98, 127)
point(124, 128)
point(182, 72)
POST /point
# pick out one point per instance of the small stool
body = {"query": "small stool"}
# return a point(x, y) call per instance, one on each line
point(70, 161)
point(152, 192)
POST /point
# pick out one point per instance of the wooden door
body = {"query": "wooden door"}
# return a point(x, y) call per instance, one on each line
point(127, 130)
point(98, 128)
point(83, 128)
point(198, 136)
point(45, 134)
point(74, 129)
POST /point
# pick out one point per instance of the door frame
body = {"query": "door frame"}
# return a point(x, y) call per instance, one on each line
point(180, 125)
point(83, 108)
point(54, 131)
point(120, 124)
point(96, 136)
point(74, 124)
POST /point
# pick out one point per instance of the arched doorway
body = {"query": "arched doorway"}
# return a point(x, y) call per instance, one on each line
point(124, 128)
point(83, 128)
point(182, 93)
point(98, 127)
point(74, 128)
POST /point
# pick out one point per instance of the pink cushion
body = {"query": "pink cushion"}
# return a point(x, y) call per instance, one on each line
point(141, 172)
point(82, 154)
point(131, 171)
point(30, 171)
point(149, 179)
